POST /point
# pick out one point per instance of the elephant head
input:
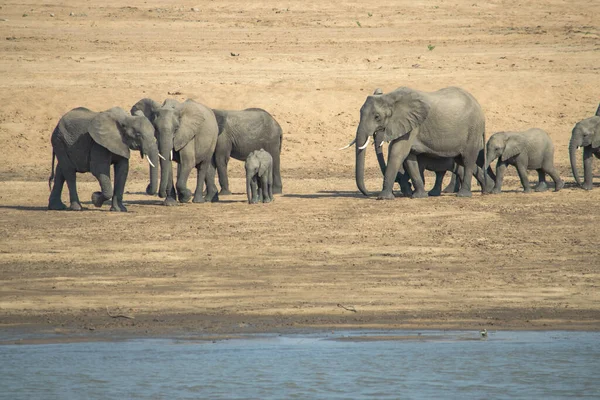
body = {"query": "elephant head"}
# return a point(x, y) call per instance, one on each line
point(388, 117)
point(119, 132)
point(504, 146)
point(586, 134)
point(176, 126)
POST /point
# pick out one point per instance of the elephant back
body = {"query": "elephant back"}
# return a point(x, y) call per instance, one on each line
point(71, 141)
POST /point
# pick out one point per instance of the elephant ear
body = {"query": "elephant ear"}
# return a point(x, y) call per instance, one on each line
point(146, 107)
point(514, 145)
point(408, 111)
point(191, 121)
point(107, 130)
point(596, 136)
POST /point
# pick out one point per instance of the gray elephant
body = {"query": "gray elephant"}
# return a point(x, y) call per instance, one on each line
point(259, 176)
point(87, 141)
point(187, 134)
point(242, 132)
point(445, 123)
point(586, 134)
point(528, 150)
point(440, 166)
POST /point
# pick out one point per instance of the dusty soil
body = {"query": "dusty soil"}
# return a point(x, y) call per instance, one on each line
point(322, 255)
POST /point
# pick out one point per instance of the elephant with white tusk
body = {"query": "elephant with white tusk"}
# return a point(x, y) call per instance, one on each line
point(528, 150)
point(586, 134)
point(448, 123)
point(87, 141)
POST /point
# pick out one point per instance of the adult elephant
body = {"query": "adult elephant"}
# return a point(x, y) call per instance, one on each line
point(88, 141)
point(187, 134)
point(586, 134)
point(242, 132)
point(445, 123)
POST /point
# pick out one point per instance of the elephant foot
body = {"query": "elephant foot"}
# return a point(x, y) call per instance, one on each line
point(419, 194)
point(495, 191)
point(162, 194)
point(266, 200)
point(386, 196)
point(59, 206)
point(434, 192)
point(449, 189)
point(212, 197)
point(98, 199)
point(541, 187)
point(170, 202)
point(150, 191)
point(464, 193)
point(559, 185)
point(527, 190)
point(198, 198)
point(224, 192)
point(75, 206)
point(120, 208)
point(185, 196)
point(587, 186)
point(277, 190)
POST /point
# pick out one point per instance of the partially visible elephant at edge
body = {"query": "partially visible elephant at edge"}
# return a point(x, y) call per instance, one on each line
point(88, 141)
point(241, 133)
point(187, 134)
point(586, 134)
point(528, 150)
point(259, 176)
point(445, 123)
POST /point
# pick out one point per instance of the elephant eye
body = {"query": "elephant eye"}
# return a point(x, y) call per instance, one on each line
point(377, 117)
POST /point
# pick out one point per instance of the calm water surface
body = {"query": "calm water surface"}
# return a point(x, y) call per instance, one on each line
point(341, 365)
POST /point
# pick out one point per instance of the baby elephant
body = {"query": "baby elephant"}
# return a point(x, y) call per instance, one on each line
point(259, 177)
point(531, 149)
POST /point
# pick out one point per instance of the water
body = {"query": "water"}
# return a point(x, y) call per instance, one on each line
point(462, 365)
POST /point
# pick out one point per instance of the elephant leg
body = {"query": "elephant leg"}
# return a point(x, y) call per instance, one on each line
point(264, 183)
point(254, 190)
point(484, 181)
point(170, 195)
point(397, 153)
point(452, 186)
point(522, 170)
point(277, 184)
point(500, 169)
point(184, 169)
point(413, 169)
point(405, 186)
point(222, 155)
point(437, 187)
point(541, 186)
point(469, 164)
point(550, 170)
point(588, 163)
point(121, 168)
point(100, 159)
point(54, 201)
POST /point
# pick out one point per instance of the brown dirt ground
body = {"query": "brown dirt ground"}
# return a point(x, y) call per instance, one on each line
point(510, 261)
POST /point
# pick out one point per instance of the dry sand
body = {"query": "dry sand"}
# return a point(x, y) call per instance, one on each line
point(321, 250)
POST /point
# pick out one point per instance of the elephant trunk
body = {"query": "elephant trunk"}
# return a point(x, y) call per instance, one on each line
point(573, 159)
point(166, 150)
point(359, 172)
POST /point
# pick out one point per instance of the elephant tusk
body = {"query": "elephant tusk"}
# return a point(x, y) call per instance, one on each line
point(350, 144)
point(150, 162)
point(171, 156)
point(162, 157)
point(366, 143)
point(381, 144)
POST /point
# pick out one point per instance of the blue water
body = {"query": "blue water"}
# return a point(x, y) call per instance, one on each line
point(447, 365)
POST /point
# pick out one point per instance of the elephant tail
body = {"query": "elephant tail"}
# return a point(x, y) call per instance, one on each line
point(52, 171)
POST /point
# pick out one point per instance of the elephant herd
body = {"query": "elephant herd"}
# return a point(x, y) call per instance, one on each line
point(445, 131)
point(189, 133)
point(438, 131)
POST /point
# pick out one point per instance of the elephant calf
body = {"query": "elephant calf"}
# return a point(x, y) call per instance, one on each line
point(531, 149)
point(259, 177)
point(87, 141)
